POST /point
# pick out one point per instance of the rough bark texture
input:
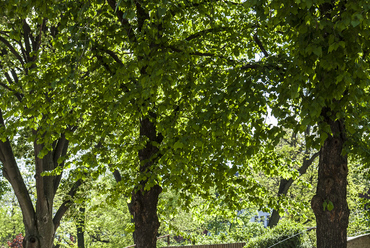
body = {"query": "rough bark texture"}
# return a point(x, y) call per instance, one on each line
point(143, 206)
point(332, 188)
point(40, 225)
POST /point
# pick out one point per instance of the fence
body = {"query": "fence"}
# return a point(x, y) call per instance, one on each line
point(234, 245)
point(162, 237)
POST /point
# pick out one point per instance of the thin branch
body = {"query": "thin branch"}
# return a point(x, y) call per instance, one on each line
point(250, 66)
point(113, 55)
point(117, 176)
point(15, 76)
point(17, 94)
point(307, 163)
point(26, 37)
point(210, 30)
point(193, 53)
point(100, 59)
point(60, 146)
point(12, 50)
point(259, 43)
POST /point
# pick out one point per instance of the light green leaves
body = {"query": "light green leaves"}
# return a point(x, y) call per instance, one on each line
point(328, 205)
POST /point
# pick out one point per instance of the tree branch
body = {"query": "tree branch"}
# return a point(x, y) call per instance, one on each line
point(17, 94)
point(66, 204)
point(113, 55)
point(117, 176)
point(193, 53)
point(60, 151)
point(259, 43)
point(206, 31)
point(12, 174)
point(27, 36)
point(36, 45)
point(60, 147)
point(12, 50)
point(124, 22)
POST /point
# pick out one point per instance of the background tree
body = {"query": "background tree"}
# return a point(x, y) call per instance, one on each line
point(34, 114)
point(321, 80)
point(166, 104)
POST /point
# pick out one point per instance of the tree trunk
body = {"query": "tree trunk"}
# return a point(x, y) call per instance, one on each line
point(40, 226)
point(330, 203)
point(81, 228)
point(143, 206)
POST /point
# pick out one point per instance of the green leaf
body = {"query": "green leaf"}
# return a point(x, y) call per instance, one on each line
point(317, 51)
point(118, 4)
point(309, 3)
point(330, 206)
point(178, 145)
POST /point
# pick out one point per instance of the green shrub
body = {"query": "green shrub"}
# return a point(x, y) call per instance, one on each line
point(283, 231)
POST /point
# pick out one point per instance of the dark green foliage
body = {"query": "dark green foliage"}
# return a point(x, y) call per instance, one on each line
point(283, 231)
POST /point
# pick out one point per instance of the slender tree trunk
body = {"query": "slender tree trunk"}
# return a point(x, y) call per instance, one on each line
point(330, 203)
point(143, 206)
point(81, 228)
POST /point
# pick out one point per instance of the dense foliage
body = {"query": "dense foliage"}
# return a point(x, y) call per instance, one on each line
point(284, 235)
point(173, 96)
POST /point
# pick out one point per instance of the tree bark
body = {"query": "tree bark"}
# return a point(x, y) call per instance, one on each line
point(81, 228)
point(39, 224)
point(330, 202)
point(143, 206)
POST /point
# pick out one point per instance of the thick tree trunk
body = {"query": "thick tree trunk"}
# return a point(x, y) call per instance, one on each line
point(144, 211)
point(40, 226)
point(330, 203)
point(143, 206)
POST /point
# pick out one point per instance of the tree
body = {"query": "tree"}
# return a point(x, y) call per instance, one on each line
point(321, 81)
point(34, 117)
point(106, 221)
point(167, 76)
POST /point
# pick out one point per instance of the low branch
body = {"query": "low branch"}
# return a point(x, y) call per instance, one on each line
point(66, 204)
point(12, 173)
